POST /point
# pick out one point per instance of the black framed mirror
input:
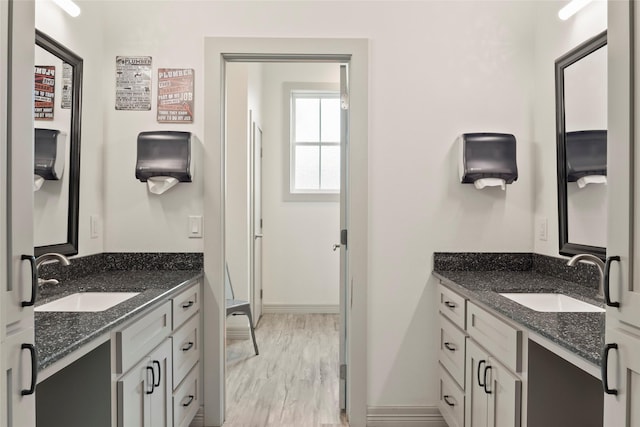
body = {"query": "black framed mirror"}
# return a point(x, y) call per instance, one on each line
point(56, 209)
point(581, 133)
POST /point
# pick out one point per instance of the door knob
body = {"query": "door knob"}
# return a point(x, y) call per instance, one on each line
point(336, 246)
point(257, 236)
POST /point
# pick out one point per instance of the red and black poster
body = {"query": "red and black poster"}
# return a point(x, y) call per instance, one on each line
point(175, 95)
point(44, 92)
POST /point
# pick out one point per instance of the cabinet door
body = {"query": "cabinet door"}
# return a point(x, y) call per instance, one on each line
point(134, 389)
point(504, 394)
point(161, 404)
point(18, 378)
point(623, 376)
point(476, 399)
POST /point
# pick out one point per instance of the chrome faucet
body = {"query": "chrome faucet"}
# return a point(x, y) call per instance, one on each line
point(595, 260)
point(50, 257)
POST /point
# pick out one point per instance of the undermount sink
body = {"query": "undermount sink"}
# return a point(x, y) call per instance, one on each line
point(87, 301)
point(552, 302)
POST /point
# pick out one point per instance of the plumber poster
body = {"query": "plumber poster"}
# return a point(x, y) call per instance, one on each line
point(44, 92)
point(67, 85)
point(175, 95)
point(133, 83)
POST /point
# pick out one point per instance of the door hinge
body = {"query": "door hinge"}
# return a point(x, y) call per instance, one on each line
point(343, 237)
point(261, 223)
point(343, 372)
point(260, 293)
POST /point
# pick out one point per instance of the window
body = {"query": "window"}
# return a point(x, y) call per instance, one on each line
point(315, 142)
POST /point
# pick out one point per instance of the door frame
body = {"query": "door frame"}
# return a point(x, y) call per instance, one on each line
point(218, 51)
point(255, 298)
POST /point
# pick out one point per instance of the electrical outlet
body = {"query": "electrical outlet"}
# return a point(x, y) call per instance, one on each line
point(542, 229)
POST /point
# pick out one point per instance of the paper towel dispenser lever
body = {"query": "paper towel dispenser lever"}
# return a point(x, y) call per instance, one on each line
point(164, 154)
point(487, 159)
point(586, 154)
point(49, 156)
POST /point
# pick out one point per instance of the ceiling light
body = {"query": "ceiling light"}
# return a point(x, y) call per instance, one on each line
point(68, 6)
point(572, 8)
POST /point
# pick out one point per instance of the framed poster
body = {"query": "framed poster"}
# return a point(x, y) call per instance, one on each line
point(175, 95)
point(67, 85)
point(44, 92)
point(133, 83)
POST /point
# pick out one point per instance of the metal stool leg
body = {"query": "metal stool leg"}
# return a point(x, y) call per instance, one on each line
point(253, 334)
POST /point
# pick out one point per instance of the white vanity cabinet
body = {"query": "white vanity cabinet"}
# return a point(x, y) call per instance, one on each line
point(155, 363)
point(479, 365)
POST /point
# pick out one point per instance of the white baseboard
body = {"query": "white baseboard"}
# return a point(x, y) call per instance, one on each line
point(300, 309)
point(198, 420)
point(404, 416)
point(238, 333)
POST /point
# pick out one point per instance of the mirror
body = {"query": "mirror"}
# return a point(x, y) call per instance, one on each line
point(56, 203)
point(581, 130)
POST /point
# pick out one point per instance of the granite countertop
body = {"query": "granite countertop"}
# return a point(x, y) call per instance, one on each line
point(58, 334)
point(580, 333)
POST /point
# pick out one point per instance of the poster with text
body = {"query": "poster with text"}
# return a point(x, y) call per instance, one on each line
point(175, 95)
point(44, 92)
point(67, 85)
point(133, 83)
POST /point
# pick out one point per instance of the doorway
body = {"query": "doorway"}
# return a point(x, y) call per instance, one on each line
point(353, 52)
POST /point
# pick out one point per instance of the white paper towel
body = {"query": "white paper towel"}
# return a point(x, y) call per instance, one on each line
point(160, 184)
point(489, 182)
point(591, 179)
point(37, 182)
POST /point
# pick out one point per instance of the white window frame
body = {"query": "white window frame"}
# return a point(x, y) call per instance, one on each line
point(289, 151)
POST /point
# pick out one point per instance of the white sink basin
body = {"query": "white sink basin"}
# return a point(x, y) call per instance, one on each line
point(552, 302)
point(87, 301)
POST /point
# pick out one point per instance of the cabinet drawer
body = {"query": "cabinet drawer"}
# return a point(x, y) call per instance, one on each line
point(451, 401)
point(186, 399)
point(452, 350)
point(185, 305)
point(186, 348)
point(452, 306)
point(501, 339)
point(138, 339)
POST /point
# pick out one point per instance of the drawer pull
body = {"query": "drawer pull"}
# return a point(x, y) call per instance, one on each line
point(153, 379)
point(449, 346)
point(189, 400)
point(34, 280)
point(155, 362)
point(188, 304)
point(486, 369)
point(446, 398)
point(480, 363)
point(34, 369)
point(605, 368)
point(606, 285)
point(450, 304)
point(187, 347)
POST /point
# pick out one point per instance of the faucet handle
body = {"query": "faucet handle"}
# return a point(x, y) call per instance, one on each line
point(607, 272)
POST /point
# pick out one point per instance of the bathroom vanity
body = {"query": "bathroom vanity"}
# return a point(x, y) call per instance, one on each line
point(504, 364)
point(136, 363)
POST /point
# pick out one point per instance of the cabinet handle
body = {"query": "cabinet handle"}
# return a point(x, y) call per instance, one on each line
point(446, 398)
point(188, 304)
point(34, 280)
point(153, 379)
point(480, 363)
point(188, 402)
point(187, 347)
point(34, 369)
point(450, 304)
point(157, 363)
point(607, 271)
point(484, 376)
point(605, 369)
point(449, 346)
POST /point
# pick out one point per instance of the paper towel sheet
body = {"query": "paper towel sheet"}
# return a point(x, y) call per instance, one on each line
point(37, 182)
point(160, 184)
point(591, 179)
point(490, 182)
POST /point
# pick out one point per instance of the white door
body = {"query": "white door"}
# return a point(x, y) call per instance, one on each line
point(134, 389)
point(257, 224)
point(18, 361)
point(344, 291)
point(477, 375)
point(160, 402)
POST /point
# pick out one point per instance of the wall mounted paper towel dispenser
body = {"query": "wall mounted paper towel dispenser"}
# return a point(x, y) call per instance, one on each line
point(49, 158)
point(586, 157)
point(487, 159)
point(164, 159)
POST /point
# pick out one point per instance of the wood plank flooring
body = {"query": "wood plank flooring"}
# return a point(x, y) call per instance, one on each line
point(293, 382)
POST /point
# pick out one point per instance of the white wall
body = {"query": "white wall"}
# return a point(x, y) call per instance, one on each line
point(553, 39)
point(84, 36)
point(299, 267)
point(437, 69)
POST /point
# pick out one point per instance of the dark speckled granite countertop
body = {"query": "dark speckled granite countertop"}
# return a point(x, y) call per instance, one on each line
point(58, 334)
point(580, 333)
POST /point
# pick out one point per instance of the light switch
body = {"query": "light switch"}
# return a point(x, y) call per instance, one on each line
point(195, 226)
point(94, 226)
point(542, 230)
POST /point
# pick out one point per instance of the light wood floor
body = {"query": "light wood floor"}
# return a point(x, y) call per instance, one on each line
point(294, 380)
